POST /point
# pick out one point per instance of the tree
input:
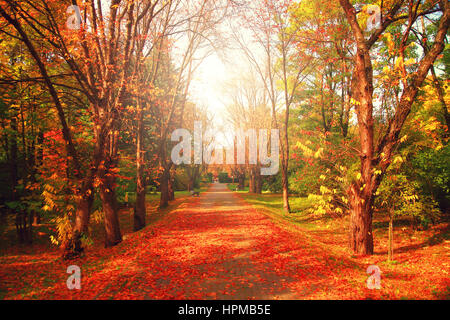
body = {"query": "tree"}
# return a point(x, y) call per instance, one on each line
point(192, 113)
point(249, 110)
point(98, 58)
point(197, 23)
point(275, 58)
point(375, 157)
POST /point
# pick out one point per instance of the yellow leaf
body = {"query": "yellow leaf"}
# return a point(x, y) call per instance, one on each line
point(398, 159)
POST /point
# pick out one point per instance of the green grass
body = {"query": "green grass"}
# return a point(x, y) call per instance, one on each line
point(154, 196)
point(273, 205)
point(188, 193)
point(233, 186)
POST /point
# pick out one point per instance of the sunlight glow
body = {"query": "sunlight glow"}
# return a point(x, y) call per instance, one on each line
point(207, 86)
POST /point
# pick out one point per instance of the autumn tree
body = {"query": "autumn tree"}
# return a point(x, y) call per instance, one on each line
point(193, 113)
point(376, 155)
point(249, 109)
point(282, 68)
point(98, 57)
point(194, 28)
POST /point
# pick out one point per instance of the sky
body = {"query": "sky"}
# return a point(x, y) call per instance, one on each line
point(208, 87)
point(206, 91)
point(207, 84)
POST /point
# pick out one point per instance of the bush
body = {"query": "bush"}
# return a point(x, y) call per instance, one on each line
point(209, 177)
point(403, 195)
point(224, 178)
point(432, 169)
point(272, 183)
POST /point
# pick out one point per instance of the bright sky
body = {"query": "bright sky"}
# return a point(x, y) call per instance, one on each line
point(207, 85)
point(207, 90)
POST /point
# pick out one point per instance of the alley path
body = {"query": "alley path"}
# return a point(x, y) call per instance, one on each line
point(215, 246)
point(218, 247)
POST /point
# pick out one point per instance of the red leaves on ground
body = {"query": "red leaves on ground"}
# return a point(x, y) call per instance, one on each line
point(215, 247)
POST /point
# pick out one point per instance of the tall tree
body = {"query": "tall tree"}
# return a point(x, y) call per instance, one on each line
point(280, 66)
point(98, 57)
point(375, 156)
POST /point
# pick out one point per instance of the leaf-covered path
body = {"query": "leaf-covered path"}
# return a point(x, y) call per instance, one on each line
point(216, 246)
point(219, 247)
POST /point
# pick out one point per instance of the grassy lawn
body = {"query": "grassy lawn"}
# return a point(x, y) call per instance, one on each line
point(233, 186)
point(273, 204)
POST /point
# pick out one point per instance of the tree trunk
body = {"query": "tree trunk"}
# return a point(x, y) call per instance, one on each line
point(73, 248)
point(258, 184)
point(258, 180)
point(170, 188)
point(109, 204)
point(13, 159)
point(139, 208)
point(164, 189)
point(191, 184)
point(361, 211)
point(285, 185)
point(67, 135)
point(170, 183)
point(106, 155)
point(241, 181)
point(284, 167)
point(85, 198)
point(441, 97)
point(39, 161)
point(362, 191)
point(36, 218)
point(252, 180)
point(24, 227)
point(391, 236)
